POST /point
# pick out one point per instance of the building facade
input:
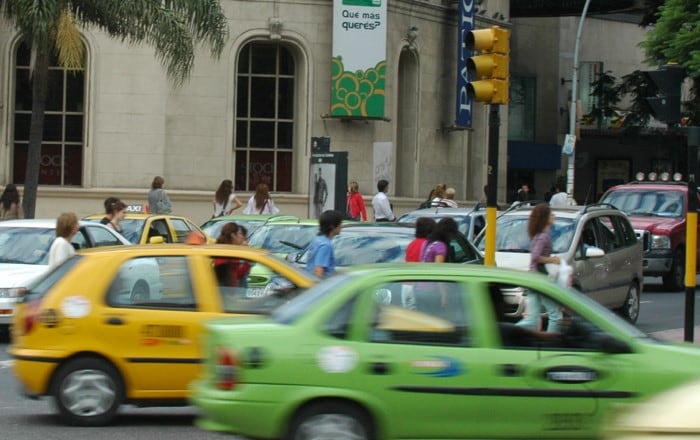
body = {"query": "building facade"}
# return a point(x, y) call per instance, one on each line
point(248, 116)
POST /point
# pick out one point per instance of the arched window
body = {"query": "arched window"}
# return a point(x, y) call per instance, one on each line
point(264, 117)
point(62, 146)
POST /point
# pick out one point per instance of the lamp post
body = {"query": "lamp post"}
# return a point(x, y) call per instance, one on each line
point(571, 137)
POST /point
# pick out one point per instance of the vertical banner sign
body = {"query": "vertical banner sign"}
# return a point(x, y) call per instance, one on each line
point(463, 116)
point(358, 68)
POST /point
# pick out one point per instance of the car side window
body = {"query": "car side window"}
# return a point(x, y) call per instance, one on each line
point(181, 228)
point(102, 237)
point(576, 332)
point(153, 283)
point(160, 227)
point(338, 325)
point(244, 284)
point(462, 252)
point(588, 239)
point(611, 237)
point(421, 312)
point(629, 238)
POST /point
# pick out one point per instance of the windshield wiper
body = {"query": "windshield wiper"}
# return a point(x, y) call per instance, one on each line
point(290, 244)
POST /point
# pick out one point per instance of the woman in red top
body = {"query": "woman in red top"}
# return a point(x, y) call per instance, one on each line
point(355, 204)
point(232, 272)
point(424, 226)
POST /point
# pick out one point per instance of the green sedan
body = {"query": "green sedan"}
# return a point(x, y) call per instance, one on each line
point(348, 359)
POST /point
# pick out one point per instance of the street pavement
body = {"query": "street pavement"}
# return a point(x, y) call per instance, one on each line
point(677, 334)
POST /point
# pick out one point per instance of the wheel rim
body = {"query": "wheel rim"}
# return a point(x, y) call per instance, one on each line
point(88, 393)
point(331, 427)
point(633, 303)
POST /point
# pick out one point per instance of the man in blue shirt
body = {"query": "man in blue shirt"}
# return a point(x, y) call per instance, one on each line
point(321, 260)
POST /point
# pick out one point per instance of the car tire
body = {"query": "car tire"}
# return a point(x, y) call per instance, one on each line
point(140, 292)
point(87, 392)
point(674, 280)
point(326, 420)
point(630, 308)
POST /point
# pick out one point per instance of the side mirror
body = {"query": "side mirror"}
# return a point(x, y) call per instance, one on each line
point(156, 239)
point(594, 252)
point(292, 257)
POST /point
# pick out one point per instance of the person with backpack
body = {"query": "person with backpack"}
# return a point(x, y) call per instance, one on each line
point(158, 200)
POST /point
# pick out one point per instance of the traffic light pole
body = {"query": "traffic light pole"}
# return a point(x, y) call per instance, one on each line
point(691, 234)
point(492, 181)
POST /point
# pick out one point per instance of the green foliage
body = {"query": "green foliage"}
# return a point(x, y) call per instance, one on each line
point(172, 27)
point(675, 36)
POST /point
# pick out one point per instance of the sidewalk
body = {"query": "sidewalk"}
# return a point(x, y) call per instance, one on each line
point(676, 334)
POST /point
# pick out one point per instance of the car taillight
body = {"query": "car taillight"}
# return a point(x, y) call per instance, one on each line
point(226, 369)
point(31, 316)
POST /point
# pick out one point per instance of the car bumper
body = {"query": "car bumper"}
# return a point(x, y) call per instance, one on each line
point(657, 263)
point(222, 411)
point(33, 371)
point(7, 310)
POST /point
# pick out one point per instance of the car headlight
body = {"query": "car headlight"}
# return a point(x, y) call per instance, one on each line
point(660, 242)
point(9, 292)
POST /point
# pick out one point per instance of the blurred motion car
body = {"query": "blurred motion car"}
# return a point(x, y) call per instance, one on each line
point(140, 227)
point(212, 227)
point(344, 360)
point(470, 221)
point(670, 415)
point(284, 236)
point(597, 240)
point(83, 335)
point(369, 243)
point(24, 254)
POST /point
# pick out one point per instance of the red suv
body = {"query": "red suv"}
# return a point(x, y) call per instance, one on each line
point(657, 211)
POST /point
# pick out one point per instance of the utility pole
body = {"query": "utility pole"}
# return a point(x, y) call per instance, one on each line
point(570, 142)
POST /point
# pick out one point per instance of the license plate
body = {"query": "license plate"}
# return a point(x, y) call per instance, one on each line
point(6, 312)
point(255, 292)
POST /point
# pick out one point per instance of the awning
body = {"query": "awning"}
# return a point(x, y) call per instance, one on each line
point(529, 155)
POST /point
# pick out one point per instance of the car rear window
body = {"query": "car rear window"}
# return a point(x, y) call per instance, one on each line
point(43, 284)
point(291, 311)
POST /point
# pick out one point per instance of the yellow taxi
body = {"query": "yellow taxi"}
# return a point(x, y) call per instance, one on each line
point(122, 325)
point(141, 227)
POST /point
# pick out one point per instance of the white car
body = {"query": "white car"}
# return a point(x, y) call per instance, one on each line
point(24, 254)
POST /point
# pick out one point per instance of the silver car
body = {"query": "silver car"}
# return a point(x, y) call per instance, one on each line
point(598, 241)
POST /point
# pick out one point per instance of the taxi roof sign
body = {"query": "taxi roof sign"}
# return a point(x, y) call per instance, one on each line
point(137, 209)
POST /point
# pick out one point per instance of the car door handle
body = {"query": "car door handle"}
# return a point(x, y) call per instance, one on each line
point(114, 320)
point(379, 368)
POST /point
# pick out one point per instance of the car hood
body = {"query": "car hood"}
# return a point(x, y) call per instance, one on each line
point(19, 275)
point(654, 224)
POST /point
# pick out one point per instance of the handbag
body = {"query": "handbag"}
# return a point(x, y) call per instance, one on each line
point(162, 206)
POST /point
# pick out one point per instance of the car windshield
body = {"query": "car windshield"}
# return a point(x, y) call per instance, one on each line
point(213, 228)
point(22, 245)
point(296, 307)
point(645, 202)
point(362, 247)
point(132, 229)
point(283, 239)
point(511, 235)
point(462, 221)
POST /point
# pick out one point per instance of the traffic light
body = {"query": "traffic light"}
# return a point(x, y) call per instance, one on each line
point(488, 70)
point(666, 106)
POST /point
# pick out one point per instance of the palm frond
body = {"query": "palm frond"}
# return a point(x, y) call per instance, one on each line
point(69, 45)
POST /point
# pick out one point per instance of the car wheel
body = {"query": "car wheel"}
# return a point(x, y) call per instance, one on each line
point(140, 292)
point(630, 308)
point(87, 392)
point(334, 420)
point(674, 280)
